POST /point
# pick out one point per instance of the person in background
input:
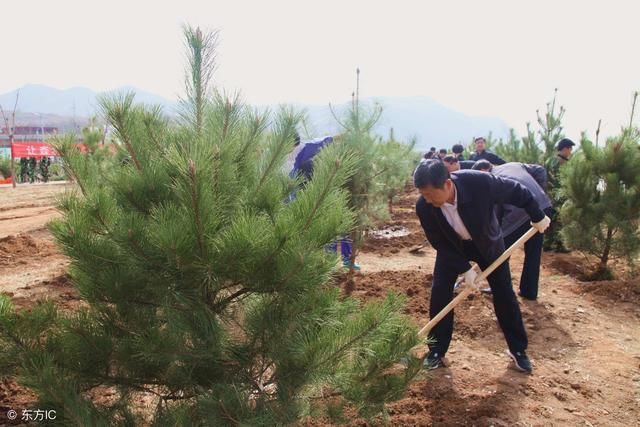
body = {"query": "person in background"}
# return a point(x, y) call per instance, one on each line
point(564, 149)
point(291, 158)
point(452, 163)
point(457, 150)
point(457, 214)
point(442, 153)
point(482, 153)
point(514, 221)
point(303, 168)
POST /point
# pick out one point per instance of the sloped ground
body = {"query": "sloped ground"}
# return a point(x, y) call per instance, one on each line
point(584, 338)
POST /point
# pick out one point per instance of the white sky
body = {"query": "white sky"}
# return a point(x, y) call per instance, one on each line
point(493, 58)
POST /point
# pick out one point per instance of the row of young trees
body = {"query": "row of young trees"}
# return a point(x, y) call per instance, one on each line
point(202, 287)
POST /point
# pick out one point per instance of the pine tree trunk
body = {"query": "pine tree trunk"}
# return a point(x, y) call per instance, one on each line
point(607, 249)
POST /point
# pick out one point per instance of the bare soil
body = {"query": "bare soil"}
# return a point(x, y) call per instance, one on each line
point(584, 337)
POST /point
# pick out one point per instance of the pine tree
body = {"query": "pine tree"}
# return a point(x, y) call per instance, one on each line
point(523, 150)
point(602, 211)
point(550, 128)
point(396, 160)
point(528, 148)
point(366, 193)
point(202, 288)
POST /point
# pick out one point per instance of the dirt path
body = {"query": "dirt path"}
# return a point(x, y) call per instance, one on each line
point(584, 338)
point(586, 355)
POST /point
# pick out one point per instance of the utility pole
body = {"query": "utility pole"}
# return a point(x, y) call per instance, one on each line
point(11, 129)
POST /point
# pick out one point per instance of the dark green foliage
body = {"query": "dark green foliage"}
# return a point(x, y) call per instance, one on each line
point(24, 169)
point(5, 168)
point(602, 188)
point(44, 164)
point(203, 289)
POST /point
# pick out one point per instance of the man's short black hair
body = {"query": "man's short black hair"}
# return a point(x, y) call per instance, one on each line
point(482, 165)
point(432, 149)
point(479, 138)
point(432, 172)
point(564, 143)
point(457, 148)
point(450, 159)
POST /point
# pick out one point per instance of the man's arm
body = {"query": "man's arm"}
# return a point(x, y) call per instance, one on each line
point(495, 159)
point(438, 240)
point(539, 173)
point(508, 191)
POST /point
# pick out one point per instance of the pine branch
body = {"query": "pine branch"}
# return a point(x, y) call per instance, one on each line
point(118, 110)
point(196, 208)
point(311, 217)
point(323, 195)
point(335, 117)
point(201, 55)
point(226, 413)
point(274, 159)
point(257, 126)
point(229, 299)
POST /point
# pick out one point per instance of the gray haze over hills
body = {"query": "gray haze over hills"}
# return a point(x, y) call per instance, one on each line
point(431, 123)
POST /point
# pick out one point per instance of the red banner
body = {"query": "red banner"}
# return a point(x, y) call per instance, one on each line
point(32, 149)
point(39, 149)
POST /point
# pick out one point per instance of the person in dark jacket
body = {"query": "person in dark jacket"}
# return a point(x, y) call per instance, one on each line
point(453, 164)
point(514, 221)
point(457, 214)
point(457, 151)
point(482, 153)
point(552, 240)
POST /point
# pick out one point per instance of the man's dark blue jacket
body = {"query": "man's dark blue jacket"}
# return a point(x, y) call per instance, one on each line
point(494, 159)
point(478, 193)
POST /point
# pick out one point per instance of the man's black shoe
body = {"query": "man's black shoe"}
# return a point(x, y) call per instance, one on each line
point(521, 361)
point(432, 361)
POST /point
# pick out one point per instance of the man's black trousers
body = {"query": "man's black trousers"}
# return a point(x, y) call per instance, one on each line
point(504, 301)
point(532, 255)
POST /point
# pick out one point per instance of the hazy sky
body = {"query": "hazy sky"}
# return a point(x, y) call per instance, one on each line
point(492, 58)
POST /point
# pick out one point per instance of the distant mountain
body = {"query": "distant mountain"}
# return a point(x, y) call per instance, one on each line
point(432, 124)
point(76, 101)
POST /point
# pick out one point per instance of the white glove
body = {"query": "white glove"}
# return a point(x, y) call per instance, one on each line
point(470, 277)
point(542, 225)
